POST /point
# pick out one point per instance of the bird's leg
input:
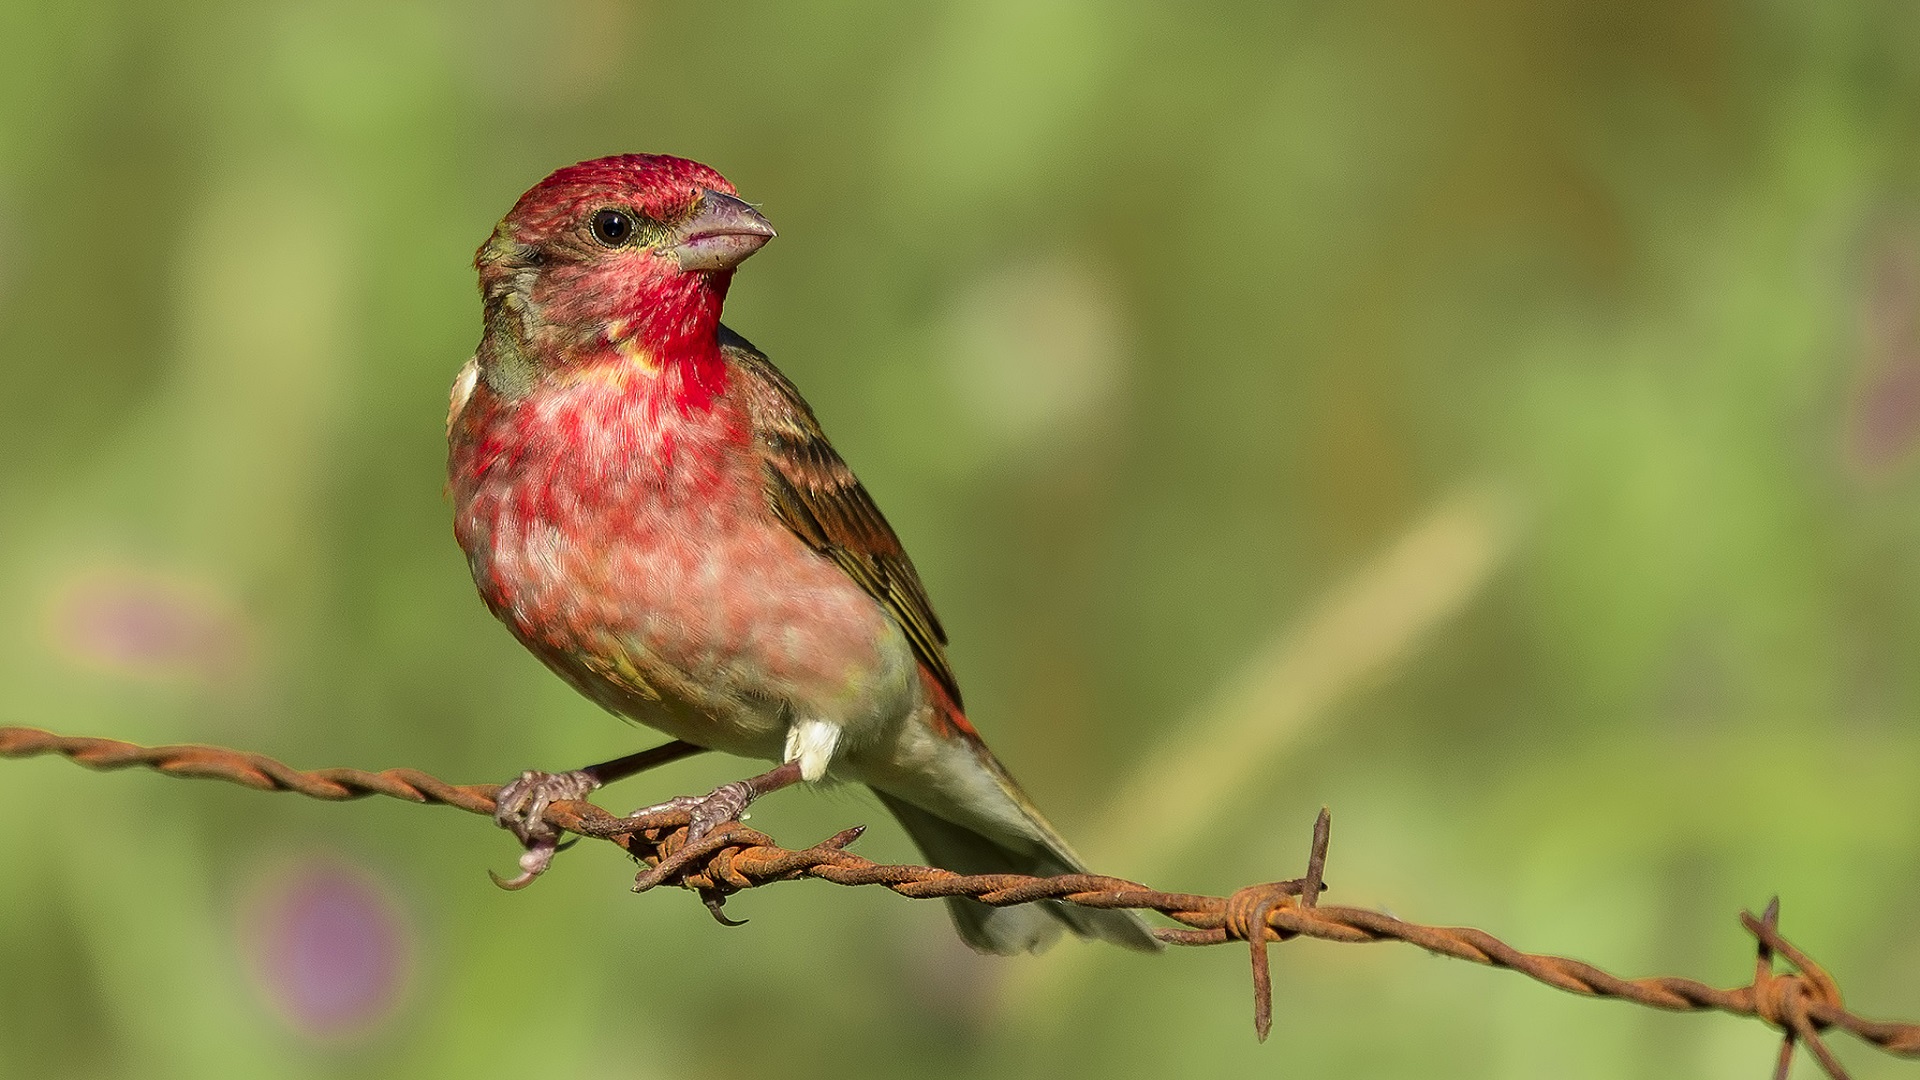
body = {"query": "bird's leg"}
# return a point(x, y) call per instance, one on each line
point(521, 805)
point(726, 802)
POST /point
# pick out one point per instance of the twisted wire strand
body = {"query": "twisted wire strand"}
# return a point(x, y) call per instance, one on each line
point(1801, 1002)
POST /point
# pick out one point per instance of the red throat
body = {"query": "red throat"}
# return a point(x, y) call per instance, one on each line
point(675, 323)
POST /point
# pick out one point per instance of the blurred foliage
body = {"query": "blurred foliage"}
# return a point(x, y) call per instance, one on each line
point(1152, 327)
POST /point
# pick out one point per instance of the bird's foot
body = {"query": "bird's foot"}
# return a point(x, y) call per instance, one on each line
point(520, 808)
point(708, 812)
point(705, 814)
point(726, 802)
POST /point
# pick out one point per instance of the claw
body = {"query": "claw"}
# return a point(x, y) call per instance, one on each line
point(716, 904)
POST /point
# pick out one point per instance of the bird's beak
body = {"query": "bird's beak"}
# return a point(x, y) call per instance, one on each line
point(721, 234)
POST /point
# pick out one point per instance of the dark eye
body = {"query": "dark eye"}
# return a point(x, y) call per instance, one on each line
point(612, 227)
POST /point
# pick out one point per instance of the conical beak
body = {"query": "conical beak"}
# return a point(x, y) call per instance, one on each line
point(721, 234)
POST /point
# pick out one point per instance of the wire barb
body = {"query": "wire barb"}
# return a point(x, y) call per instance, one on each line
point(1249, 910)
point(1801, 1003)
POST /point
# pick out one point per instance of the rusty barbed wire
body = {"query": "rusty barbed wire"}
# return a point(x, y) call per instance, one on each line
point(1801, 1002)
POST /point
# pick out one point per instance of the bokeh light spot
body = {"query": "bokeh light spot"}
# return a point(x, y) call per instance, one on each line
point(146, 625)
point(330, 947)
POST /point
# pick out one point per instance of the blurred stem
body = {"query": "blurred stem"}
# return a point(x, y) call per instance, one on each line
point(1362, 630)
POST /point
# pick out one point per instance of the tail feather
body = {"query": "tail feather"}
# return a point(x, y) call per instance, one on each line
point(1021, 927)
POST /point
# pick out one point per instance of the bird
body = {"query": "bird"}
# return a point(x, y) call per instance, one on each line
point(654, 511)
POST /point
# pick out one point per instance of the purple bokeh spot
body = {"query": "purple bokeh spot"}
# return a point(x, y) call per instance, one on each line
point(1884, 425)
point(1887, 415)
point(145, 625)
point(331, 948)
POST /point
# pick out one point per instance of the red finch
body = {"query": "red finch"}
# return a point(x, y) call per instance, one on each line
point(651, 507)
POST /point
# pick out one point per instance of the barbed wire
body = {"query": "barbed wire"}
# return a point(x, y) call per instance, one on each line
point(1802, 1001)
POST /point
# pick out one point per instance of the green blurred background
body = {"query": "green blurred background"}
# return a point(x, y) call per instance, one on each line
point(1495, 420)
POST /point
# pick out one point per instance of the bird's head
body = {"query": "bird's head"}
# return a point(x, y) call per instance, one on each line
point(632, 252)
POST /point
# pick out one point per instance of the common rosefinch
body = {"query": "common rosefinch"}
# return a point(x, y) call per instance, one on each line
point(651, 507)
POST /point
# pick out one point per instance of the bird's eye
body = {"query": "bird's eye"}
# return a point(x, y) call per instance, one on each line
point(612, 227)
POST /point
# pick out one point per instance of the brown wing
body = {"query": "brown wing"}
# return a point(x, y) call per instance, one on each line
point(814, 492)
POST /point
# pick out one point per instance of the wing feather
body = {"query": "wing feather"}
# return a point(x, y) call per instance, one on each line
point(811, 489)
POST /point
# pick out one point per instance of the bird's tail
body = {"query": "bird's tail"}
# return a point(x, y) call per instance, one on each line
point(1029, 846)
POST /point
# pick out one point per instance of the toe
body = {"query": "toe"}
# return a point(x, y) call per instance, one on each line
point(723, 805)
point(678, 802)
point(512, 797)
point(533, 862)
